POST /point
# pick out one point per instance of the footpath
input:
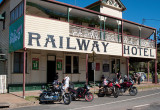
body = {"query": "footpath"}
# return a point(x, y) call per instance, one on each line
point(15, 100)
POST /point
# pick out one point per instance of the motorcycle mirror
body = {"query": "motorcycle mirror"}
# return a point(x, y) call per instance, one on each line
point(42, 87)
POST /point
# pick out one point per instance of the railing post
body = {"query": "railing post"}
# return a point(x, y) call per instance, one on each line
point(118, 29)
point(68, 13)
point(100, 29)
point(104, 26)
point(122, 36)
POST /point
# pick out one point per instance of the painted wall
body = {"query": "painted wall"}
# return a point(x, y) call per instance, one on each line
point(110, 11)
point(4, 37)
point(40, 76)
point(38, 36)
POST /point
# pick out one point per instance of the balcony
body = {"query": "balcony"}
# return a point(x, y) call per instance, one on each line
point(109, 36)
point(80, 20)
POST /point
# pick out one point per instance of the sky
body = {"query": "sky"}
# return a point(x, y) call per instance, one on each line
point(137, 10)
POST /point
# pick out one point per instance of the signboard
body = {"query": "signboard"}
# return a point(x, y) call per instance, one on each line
point(35, 63)
point(59, 64)
point(97, 66)
point(16, 35)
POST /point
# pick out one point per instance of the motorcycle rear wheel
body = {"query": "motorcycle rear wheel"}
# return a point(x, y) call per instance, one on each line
point(100, 93)
point(89, 97)
point(133, 91)
point(67, 98)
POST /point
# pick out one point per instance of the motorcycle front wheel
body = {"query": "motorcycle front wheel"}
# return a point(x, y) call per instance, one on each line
point(116, 92)
point(67, 98)
point(133, 91)
point(89, 97)
point(41, 99)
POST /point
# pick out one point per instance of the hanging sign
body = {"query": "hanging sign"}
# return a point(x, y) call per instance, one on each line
point(35, 63)
point(59, 64)
point(97, 66)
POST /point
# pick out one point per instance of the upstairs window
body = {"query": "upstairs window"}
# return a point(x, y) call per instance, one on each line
point(3, 19)
point(77, 22)
point(17, 12)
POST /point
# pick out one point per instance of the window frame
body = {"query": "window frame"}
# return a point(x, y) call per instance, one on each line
point(13, 67)
point(115, 65)
point(72, 64)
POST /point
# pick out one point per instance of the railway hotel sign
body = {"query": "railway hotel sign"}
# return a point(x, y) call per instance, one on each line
point(84, 45)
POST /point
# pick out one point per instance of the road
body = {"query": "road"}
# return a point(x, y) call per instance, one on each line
point(146, 100)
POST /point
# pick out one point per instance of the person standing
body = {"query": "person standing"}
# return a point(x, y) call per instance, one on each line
point(118, 77)
point(66, 82)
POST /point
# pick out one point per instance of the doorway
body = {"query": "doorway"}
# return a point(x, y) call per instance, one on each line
point(90, 72)
point(51, 69)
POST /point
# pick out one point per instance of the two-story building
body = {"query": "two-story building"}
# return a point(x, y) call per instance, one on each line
point(39, 38)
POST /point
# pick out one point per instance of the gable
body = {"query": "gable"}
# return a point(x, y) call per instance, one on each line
point(117, 4)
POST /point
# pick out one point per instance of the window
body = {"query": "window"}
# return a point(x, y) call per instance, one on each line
point(72, 64)
point(4, 15)
point(92, 25)
point(16, 13)
point(113, 66)
point(54, 17)
point(68, 64)
point(118, 65)
point(18, 62)
point(77, 22)
point(75, 64)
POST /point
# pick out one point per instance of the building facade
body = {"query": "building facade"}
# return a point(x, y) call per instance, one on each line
point(43, 37)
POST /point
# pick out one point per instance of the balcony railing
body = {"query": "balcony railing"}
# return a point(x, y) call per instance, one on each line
point(110, 36)
point(130, 40)
point(92, 33)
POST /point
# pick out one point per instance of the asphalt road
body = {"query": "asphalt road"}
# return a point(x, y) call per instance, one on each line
point(146, 100)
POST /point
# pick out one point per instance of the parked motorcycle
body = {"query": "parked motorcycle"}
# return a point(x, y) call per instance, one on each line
point(128, 85)
point(110, 88)
point(81, 92)
point(55, 93)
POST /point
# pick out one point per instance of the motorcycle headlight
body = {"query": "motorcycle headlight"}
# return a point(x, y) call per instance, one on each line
point(88, 87)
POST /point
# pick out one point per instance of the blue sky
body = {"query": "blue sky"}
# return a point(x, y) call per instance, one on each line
point(136, 10)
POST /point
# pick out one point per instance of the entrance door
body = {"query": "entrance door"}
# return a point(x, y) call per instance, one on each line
point(51, 70)
point(90, 72)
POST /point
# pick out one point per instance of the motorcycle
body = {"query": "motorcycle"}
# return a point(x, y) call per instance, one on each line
point(81, 92)
point(54, 93)
point(110, 88)
point(128, 85)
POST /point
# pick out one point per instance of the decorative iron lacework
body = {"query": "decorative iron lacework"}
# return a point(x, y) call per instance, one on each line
point(83, 32)
point(78, 31)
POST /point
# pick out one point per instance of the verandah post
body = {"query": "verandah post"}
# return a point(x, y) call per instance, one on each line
point(24, 71)
point(155, 38)
point(87, 69)
point(148, 73)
